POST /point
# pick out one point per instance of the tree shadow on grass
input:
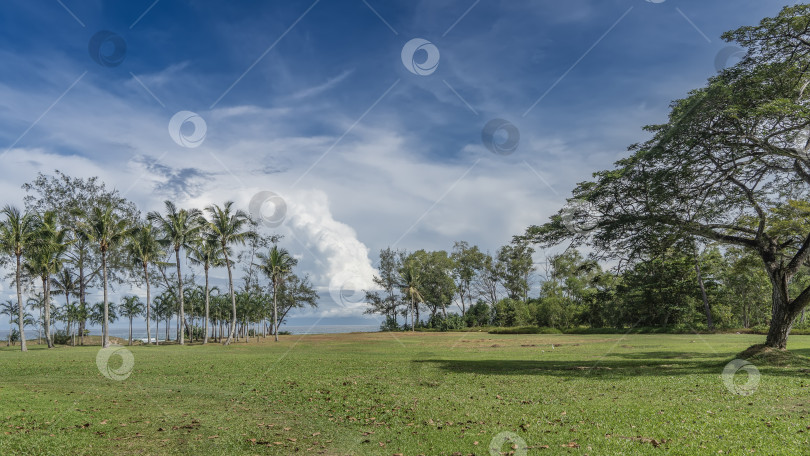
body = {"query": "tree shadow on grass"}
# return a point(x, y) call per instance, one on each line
point(649, 364)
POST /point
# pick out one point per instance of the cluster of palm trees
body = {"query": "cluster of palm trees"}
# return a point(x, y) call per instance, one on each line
point(36, 243)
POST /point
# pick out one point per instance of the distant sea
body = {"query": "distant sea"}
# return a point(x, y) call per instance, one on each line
point(140, 333)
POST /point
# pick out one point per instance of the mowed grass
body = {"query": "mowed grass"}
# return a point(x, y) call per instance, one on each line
point(410, 394)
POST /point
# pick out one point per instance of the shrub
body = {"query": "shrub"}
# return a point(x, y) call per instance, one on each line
point(478, 314)
point(525, 330)
point(390, 324)
point(61, 337)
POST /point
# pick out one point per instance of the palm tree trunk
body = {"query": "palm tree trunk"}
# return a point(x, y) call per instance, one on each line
point(205, 331)
point(233, 296)
point(72, 334)
point(105, 324)
point(23, 347)
point(182, 317)
point(82, 303)
point(46, 296)
point(148, 296)
point(275, 310)
point(130, 330)
point(413, 328)
point(157, 331)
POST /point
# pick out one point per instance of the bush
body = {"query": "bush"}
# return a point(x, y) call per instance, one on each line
point(390, 324)
point(478, 314)
point(511, 312)
point(198, 332)
point(61, 337)
point(452, 322)
point(525, 330)
point(14, 335)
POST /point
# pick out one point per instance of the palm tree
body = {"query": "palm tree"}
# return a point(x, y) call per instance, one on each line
point(277, 264)
point(180, 229)
point(229, 227)
point(65, 283)
point(131, 307)
point(46, 259)
point(9, 308)
point(101, 311)
point(144, 249)
point(164, 308)
point(108, 230)
point(18, 234)
point(206, 252)
point(410, 284)
point(73, 313)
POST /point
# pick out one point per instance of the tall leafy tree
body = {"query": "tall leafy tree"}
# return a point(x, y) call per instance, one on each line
point(18, 235)
point(108, 230)
point(180, 229)
point(229, 227)
point(729, 161)
point(468, 261)
point(517, 264)
point(72, 198)
point(386, 299)
point(295, 293)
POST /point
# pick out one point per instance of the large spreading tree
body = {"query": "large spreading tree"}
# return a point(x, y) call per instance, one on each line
point(731, 166)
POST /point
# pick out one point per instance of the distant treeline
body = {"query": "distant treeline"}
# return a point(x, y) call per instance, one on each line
point(681, 288)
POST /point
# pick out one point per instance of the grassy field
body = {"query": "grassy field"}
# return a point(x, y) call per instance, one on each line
point(409, 394)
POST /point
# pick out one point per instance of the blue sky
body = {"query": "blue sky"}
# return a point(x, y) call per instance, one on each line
point(312, 101)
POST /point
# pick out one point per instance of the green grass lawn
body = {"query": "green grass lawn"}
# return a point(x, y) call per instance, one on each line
point(387, 394)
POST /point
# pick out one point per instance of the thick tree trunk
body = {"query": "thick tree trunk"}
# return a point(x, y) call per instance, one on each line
point(706, 308)
point(783, 314)
point(23, 347)
point(205, 331)
point(46, 296)
point(106, 323)
point(148, 299)
point(781, 324)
